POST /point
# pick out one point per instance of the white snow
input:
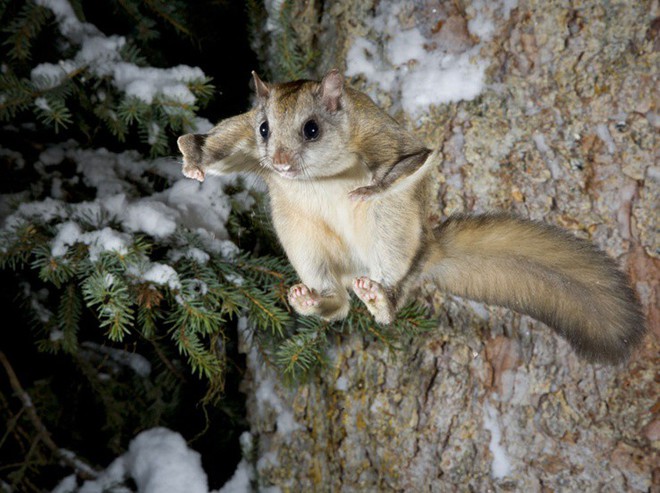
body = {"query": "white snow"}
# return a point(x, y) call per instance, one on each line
point(201, 125)
point(16, 157)
point(46, 210)
point(67, 485)
point(162, 274)
point(363, 59)
point(68, 234)
point(240, 481)
point(42, 104)
point(151, 217)
point(548, 155)
point(419, 73)
point(200, 256)
point(56, 335)
point(138, 363)
point(158, 460)
point(69, 24)
point(501, 465)
point(267, 393)
point(406, 46)
point(103, 240)
point(604, 134)
point(273, 7)
point(341, 384)
point(36, 299)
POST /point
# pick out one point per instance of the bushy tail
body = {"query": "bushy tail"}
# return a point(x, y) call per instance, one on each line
point(543, 272)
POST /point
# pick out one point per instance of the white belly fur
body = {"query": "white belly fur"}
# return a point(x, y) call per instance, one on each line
point(321, 227)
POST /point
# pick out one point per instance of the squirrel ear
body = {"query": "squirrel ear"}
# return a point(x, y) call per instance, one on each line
point(261, 87)
point(332, 87)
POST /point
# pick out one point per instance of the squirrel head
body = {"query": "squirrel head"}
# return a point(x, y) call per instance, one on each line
point(301, 127)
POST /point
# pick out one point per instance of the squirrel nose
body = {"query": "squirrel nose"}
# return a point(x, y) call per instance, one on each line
point(282, 159)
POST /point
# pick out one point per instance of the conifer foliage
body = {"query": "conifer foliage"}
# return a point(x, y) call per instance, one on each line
point(95, 81)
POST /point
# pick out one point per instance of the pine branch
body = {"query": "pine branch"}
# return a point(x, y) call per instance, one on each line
point(109, 294)
point(24, 28)
point(18, 243)
point(201, 360)
point(113, 120)
point(53, 112)
point(52, 269)
point(168, 11)
point(296, 58)
point(203, 89)
point(144, 26)
point(149, 300)
point(68, 317)
point(132, 53)
point(297, 355)
point(17, 95)
point(264, 312)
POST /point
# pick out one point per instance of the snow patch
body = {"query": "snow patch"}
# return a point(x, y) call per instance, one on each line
point(158, 460)
point(104, 240)
point(266, 394)
point(162, 274)
point(138, 363)
point(151, 217)
point(604, 134)
point(501, 465)
point(548, 155)
point(68, 234)
point(241, 481)
point(67, 485)
point(42, 104)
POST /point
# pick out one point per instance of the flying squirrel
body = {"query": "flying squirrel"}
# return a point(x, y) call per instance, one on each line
point(348, 192)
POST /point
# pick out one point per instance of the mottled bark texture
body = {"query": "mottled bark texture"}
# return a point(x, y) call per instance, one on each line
point(566, 132)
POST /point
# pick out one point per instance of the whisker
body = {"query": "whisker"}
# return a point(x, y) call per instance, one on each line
point(314, 185)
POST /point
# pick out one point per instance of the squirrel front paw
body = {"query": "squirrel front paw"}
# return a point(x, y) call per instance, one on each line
point(303, 299)
point(194, 172)
point(364, 193)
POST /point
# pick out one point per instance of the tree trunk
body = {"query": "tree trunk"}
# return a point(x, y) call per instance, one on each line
point(564, 131)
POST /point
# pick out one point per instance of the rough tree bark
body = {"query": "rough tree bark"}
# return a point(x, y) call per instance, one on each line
point(565, 131)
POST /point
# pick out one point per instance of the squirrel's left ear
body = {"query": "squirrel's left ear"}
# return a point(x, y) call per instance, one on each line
point(262, 89)
point(332, 87)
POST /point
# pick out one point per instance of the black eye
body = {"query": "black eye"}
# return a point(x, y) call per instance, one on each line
point(311, 130)
point(263, 130)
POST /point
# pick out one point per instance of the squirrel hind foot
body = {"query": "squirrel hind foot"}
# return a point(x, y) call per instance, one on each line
point(375, 298)
point(303, 299)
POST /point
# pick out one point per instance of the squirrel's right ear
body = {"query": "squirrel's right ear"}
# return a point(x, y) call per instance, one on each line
point(260, 86)
point(332, 87)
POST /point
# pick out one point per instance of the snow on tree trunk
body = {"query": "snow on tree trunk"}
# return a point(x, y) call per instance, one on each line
point(546, 109)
